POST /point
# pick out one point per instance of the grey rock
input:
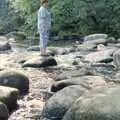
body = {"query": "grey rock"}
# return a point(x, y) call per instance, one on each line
point(61, 74)
point(9, 96)
point(5, 46)
point(111, 40)
point(95, 39)
point(99, 104)
point(100, 47)
point(100, 55)
point(33, 48)
point(60, 102)
point(40, 62)
point(87, 82)
point(4, 114)
point(14, 79)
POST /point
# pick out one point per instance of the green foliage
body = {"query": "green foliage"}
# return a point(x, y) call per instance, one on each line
point(9, 18)
point(70, 17)
point(28, 12)
point(86, 16)
point(67, 17)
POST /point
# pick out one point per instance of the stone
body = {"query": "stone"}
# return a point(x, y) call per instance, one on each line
point(102, 69)
point(100, 55)
point(62, 74)
point(5, 46)
point(95, 39)
point(86, 47)
point(100, 47)
point(4, 113)
point(14, 79)
point(33, 48)
point(100, 104)
point(40, 62)
point(9, 96)
point(62, 51)
point(60, 102)
point(111, 40)
point(116, 59)
point(75, 62)
point(87, 82)
point(117, 45)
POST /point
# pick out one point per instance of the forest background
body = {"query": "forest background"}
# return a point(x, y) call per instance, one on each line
point(70, 17)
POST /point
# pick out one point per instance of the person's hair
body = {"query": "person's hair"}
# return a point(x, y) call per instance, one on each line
point(43, 1)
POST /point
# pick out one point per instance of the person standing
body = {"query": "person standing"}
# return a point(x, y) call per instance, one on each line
point(44, 25)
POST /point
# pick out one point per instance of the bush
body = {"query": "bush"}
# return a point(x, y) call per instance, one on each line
point(70, 17)
point(86, 17)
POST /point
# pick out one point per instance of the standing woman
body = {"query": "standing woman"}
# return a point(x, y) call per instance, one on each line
point(44, 25)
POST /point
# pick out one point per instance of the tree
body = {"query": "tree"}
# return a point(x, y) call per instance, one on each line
point(77, 17)
point(9, 18)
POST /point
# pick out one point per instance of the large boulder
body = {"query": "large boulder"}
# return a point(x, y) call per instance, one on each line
point(40, 62)
point(9, 96)
point(60, 102)
point(14, 79)
point(87, 82)
point(5, 46)
point(95, 39)
point(99, 104)
point(4, 114)
point(99, 56)
point(116, 59)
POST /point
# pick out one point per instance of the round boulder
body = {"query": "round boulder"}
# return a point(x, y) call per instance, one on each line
point(95, 39)
point(100, 104)
point(9, 96)
point(59, 103)
point(14, 79)
point(40, 62)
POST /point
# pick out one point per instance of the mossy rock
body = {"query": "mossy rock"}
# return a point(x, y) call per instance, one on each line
point(14, 79)
point(100, 104)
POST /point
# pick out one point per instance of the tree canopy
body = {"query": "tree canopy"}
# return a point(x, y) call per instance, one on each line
point(77, 17)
